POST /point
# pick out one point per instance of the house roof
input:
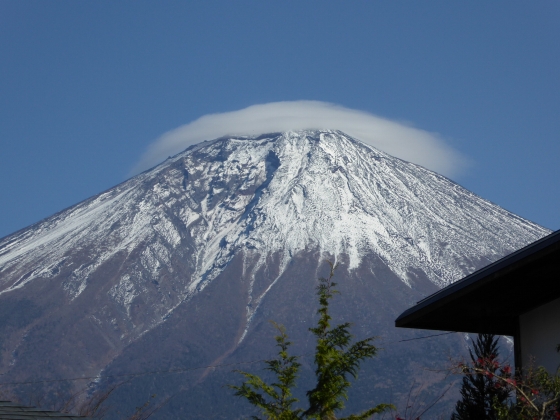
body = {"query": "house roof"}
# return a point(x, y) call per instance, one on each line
point(490, 300)
point(12, 411)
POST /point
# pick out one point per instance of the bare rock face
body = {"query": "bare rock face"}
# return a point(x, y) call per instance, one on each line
point(180, 267)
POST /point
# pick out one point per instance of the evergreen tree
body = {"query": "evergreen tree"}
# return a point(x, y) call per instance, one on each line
point(482, 393)
point(336, 358)
point(274, 400)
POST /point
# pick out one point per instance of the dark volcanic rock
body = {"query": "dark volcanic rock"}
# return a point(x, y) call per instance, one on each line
point(181, 267)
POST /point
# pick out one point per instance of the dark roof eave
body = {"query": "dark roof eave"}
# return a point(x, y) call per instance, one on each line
point(478, 279)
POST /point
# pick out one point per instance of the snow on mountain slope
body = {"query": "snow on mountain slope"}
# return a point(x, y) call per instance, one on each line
point(182, 266)
point(275, 194)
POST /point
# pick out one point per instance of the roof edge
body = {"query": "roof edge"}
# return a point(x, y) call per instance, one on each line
point(478, 278)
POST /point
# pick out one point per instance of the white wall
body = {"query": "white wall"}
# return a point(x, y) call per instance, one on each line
point(540, 334)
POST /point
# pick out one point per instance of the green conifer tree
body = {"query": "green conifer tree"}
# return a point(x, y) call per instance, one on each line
point(274, 400)
point(482, 393)
point(336, 359)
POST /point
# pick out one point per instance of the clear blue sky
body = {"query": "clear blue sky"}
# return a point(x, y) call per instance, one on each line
point(86, 86)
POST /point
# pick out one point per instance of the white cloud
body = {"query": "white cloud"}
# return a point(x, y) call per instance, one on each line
point(398, 139)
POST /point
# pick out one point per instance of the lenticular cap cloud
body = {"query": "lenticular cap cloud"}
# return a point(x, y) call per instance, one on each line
point(397, 139)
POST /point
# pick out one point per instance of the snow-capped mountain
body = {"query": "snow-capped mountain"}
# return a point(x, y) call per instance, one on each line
point(133, 263)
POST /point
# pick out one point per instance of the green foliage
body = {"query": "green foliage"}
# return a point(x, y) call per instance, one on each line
point(277, 401)
point(482, 391)
point(537, 397)
point(490, 392)
point(336, 359)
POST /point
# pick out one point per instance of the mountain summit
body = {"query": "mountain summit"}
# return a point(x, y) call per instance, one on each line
point(180, 266)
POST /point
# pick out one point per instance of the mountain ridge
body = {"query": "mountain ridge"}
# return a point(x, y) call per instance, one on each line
point(123, 264)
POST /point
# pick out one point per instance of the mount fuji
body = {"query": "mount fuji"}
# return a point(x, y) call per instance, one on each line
point(173, 274)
